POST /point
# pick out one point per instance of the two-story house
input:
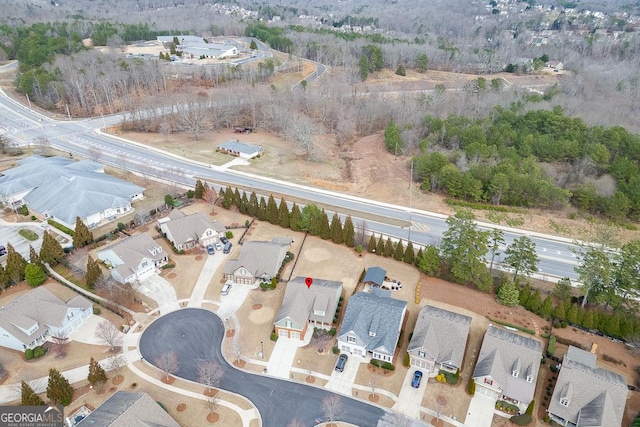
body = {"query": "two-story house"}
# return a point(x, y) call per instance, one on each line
point(133, 258)
point(371, 325)
point(507, 366)
point(258, 261)
point(586, 395)
point(439, 340)
point(188, 231)
point(305, 306)
point(28, 320)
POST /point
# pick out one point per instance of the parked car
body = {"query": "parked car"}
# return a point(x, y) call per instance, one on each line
point(225, 289)
point(218, 246)
point(3, 250)
point(417, 377)
point(210, 250)
point(342, 361)
point(227, 247)
point(224, 240)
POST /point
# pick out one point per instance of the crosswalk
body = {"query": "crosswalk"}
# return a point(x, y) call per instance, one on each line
point(419, 227)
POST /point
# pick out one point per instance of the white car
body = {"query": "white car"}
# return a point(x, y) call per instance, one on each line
point(218, 246)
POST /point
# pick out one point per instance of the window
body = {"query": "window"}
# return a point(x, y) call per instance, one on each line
point(288, 324)
point(319, 312)
point(144, 264)
point(529, 378)
point(208, 232)
point(515, 374)
point(351, 339)
point(488, 381)
point(243, 271)
point(564, 401)
point(372, 333)
point(422, 353)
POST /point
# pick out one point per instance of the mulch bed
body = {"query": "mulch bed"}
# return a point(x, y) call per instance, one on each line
point(172, 276)
point(168, 380)
point(379, 371)
point(213, 418)
point(239, 363)
point(181, 407)
point(198, 257)
point(117, 380)
point(80, 391)
point(143, 229)
point(311, 379)
point(437, 423)
point(374, 397)
point(231, 332)
point(257, 306)
point(210, 392)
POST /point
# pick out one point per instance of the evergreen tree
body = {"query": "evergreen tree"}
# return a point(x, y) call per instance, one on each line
point(15, 265)
point(562, 289)
point(589, 319)
point(380, 246)
point(429, 261)
point(34, 275)
point(253, 45)
point(81, 235)
point(262, 210)
point(284, 217)
point(97, 376)
point(337, 235)
point(546, 309)
point(51, 251)
point(237, 198)
point(525, 295)
point(349, 232)
point(94, 273)
point(521, 256)
point(4, 280)
point(272, 210)
point(252, 209)
point(294, 219)
point(29, 397)
point(409, 254)
point(400, 71)
point(34, 258)
point(244, 203)
point(199, 190)
point(418, 257)
point(59, 391)
point(310, 219)
point(388, 248)
point(325, 229)
point(371, 247)
point(398, 253)
point(227, 197)
point(508, 294)
point(535, 301)
point(572, 313)
point(560, 312)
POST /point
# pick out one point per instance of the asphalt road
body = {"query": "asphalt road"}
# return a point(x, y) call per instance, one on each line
point(195, 335)
point(79, 137)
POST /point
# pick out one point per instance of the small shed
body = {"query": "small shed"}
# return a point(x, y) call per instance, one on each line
point(374, 276)
point(241, 149)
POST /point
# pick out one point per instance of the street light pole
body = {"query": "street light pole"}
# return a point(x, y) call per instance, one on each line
point(410, 197)
point(261, 349)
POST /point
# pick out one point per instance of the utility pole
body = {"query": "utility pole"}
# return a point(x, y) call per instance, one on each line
point(410, 197)
point(68, 112)
point(28, 100)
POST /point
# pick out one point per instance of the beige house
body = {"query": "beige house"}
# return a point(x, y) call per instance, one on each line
point(258, 261)
point(134, 258)
point(439, 340)
point(127, 408)
point(188, 231)
point(305, 306)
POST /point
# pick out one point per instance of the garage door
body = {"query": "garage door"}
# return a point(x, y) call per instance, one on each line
point(283, 333)
point(295, 335)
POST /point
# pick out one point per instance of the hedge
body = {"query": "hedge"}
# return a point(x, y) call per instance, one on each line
point(60, 227)
point(471, 389)
point(38, 352)
point(521, 420)
point(551, 348)
point(520, 328)
point(407, 360)
point(28, 354)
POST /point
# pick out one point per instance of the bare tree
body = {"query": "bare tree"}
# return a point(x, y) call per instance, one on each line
point(165, 129)
point(116, 363)
point(60, 342)
point(212, 403)
point(107, 284)
point(141, 218)
point(193, 119)
point(374, 381)
point(44, 143)
point(210, 374)
point(109, 334)
point(94, 153)
point(296, 423)
point(147, 171)
point(211, 196)
point(168, 363)
point(332, 407)
point(237, 350)
point(361, 234)
point(123, 162)
point(394, 419)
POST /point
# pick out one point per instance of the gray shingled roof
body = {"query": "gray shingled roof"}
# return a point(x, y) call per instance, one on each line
point(504, 351)
point(126, 409)
point(367, 312)
point(259, 258)
point(133, 250)
point(66, 189)
point(375, 275)
point(597, 397)
point(190, 227)
point(38, 305)
point(300, 301)
point(240, 147)
point(441, 334)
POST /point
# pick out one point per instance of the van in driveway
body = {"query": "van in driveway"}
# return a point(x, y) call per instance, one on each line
point(227, 247)
point(225, 289)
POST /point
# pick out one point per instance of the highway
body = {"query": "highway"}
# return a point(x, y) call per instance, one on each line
point(81, 137)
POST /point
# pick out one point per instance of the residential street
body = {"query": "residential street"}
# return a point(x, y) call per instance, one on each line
point(195, 335)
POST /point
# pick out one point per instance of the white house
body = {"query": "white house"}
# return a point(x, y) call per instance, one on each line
point(188, 231)
point(241, 149)
point(28, 320)
point(372, 324)
point(133, 258)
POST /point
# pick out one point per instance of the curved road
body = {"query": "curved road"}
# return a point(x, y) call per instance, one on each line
point(80, 137)
point(195, 335)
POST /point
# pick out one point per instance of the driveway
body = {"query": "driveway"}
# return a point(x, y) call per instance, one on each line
point(196, 335)
point(410, 399)
point(283, 353)
point(342, 382)
point(236, 297)
point(86, 333)
point(161, 291)
point(480, 412)
point(210, 267)
point(9, 234)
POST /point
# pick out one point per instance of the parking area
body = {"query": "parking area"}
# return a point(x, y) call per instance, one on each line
point(9, 233)
point(480, 412)
point(410, 398)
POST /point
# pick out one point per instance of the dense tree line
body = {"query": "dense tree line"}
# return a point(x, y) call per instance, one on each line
point(540, 158)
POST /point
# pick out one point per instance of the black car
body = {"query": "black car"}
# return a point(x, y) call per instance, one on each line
point(224, 240)
point(3, 250)
point(342, 361)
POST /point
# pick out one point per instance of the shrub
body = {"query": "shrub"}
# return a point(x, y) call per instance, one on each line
point(167, 266)
point(190, 194)
point(229, 235)
point(28, 354)
point(553, 369)
point(96, 310)
point(448, 377)
point(33, 218)
point(521, 420)
point(28, 234)
point(407, 360)
point(551, 348)
point(24, 210)
point(359, 249)
point(388, 366)
point(274, 336)
point(153, 211)
point(510, 325)
point(375, 362)
point(529, 410)
point(332, 332)
point(134, 385)
point(546, 418)
point(121, 226)
point(335, 349)
point(247, 224)
point(471, 388)
point(39, 351)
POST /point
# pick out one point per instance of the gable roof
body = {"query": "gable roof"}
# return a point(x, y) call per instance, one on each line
point(375, 275)
point(259, 258)
point(442, 334)
point(240, 147)
point(503, 352)
point(66, 189)
point(596, 396)
point(184, 228)
point(132, 250)
point(368, 312)
point(300, 301)
point(126, 408)
point(37, 306)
